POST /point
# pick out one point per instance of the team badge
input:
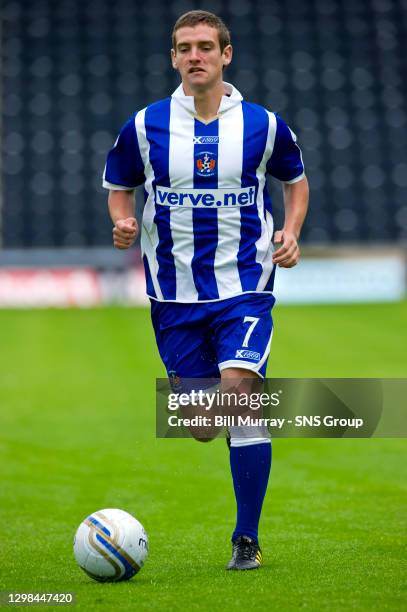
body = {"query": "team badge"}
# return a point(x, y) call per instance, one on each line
point(175, 381)
point(205, 163)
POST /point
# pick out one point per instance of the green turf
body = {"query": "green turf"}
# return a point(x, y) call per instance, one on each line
point(77, 434)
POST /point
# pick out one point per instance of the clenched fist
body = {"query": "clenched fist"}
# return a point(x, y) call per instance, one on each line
point(125, 233)
point(287, 254)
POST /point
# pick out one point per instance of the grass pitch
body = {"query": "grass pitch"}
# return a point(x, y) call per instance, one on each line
point(77, 430)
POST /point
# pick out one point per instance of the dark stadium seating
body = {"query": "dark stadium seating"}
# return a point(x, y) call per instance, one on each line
point(74, 71)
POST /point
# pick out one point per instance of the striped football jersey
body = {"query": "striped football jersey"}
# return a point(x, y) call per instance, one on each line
point(207, 223)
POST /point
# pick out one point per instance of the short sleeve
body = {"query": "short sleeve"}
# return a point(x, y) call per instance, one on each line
point(124, 166)
point(285, 163)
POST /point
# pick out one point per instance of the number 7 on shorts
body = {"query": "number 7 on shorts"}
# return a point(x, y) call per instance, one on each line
point(253, 322)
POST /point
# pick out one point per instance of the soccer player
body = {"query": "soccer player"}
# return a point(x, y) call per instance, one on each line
point(207, 237)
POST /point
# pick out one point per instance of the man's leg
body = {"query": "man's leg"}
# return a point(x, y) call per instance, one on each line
point(250, 462)
point(242, 333)
point(182, 333)
point(185, 347)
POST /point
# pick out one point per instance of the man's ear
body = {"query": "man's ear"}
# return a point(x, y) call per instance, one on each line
point(227, 55)
point(173, 59)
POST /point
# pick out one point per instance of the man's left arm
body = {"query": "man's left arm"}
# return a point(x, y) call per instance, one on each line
point(296, 197)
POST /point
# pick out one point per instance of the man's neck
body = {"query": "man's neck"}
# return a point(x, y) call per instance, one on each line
point(207, 102)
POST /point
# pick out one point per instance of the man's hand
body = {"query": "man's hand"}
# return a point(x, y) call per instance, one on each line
point(125, 233)
point(288, 253)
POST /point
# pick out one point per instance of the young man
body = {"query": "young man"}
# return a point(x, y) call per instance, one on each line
point(207, 236)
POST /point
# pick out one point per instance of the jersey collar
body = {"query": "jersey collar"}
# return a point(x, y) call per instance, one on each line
point(228, 101)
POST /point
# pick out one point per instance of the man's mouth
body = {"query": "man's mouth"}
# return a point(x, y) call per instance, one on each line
point(192, 70)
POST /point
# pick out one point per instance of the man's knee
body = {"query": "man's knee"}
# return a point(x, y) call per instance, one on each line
point(203, 439)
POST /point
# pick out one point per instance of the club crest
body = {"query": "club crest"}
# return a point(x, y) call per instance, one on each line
point(205, 163)
point(175, 381)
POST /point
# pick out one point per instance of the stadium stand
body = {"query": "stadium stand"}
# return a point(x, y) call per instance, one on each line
point(74, 71)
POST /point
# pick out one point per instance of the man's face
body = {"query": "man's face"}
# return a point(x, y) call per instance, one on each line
point(198, 58)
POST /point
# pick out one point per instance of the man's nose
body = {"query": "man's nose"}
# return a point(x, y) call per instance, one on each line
point(194, 54)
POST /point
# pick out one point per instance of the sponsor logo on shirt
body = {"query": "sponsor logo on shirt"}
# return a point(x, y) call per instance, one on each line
point(205, 198)
point(242, 354)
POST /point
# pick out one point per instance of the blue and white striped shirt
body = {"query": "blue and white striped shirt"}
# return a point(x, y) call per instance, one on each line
point(207, 222)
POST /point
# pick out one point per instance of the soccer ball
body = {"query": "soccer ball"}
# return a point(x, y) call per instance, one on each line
point(110, 545)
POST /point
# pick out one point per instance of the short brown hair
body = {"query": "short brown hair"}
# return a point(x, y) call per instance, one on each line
point(193, 18)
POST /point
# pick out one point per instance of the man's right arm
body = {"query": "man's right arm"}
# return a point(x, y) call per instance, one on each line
point(124, 171)
point(121, 208)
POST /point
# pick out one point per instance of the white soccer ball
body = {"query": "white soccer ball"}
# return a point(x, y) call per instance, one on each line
point(110, 545)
